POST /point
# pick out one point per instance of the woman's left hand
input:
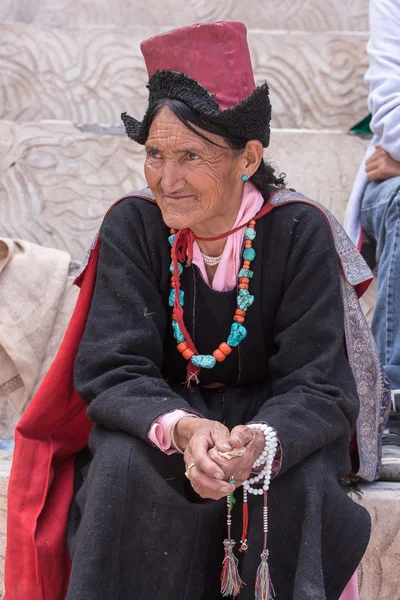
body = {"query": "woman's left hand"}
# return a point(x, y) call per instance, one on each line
point(240, 467)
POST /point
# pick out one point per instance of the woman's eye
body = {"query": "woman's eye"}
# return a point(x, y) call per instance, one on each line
point(192, 156)
point(153, 154)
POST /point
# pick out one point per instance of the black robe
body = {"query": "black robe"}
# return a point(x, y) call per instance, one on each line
point(137, 529)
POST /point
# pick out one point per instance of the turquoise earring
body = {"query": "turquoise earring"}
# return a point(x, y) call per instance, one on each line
point(245, 177)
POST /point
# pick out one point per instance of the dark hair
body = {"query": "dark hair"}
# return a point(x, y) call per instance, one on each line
point(263, 179)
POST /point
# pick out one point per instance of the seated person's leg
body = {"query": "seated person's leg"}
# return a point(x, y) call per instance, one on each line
point(380, 217)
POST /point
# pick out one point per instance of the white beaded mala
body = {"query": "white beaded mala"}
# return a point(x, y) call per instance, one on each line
point(258, 485)
point(265, 460)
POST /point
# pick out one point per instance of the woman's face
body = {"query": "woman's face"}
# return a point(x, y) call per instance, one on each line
point(195, 182)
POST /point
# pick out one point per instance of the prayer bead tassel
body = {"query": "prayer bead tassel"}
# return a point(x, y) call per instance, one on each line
point(231, 582)
point(264, 589)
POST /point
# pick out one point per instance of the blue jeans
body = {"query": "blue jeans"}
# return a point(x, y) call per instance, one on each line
point(380, 218)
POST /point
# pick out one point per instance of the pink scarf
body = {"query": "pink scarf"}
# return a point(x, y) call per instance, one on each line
point(225, 277)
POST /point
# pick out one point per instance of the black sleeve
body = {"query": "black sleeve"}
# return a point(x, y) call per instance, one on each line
point(118, 365)
point(314, 399)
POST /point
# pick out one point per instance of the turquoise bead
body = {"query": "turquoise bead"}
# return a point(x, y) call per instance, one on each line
point(171, 239)
point(171, 268)
point(178, 335)
point(237, 334)
point(246, 273)
point(205, 361)
point(172, 297)
point(244, 299)
point(249, 254)
point(249, 233)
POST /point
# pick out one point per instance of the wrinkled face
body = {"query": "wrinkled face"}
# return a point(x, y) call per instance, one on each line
point(194, 181)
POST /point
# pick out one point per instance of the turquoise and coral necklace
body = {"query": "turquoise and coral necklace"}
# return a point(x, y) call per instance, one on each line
point(244, 300)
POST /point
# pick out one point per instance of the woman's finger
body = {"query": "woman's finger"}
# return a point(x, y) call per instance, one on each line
point(228, 466)
point(240, 468)
point(197, 453)
point(208, 487)
point(220, 436)
point(241, 436)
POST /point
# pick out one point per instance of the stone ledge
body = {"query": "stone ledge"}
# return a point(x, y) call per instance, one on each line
point(378, 572)
point(5, 466)
point(309, 15)
point(380, 567)
point(56, 183)
point(92, 74)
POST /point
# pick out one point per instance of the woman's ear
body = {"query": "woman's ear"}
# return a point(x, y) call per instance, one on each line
point(252, 155)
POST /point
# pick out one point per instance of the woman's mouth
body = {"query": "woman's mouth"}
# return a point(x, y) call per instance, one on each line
point(178, 198)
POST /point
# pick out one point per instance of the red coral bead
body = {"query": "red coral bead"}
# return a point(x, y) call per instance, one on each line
point(182, 347)
point(243, 286)
point(238, 319)
point(220, 356)
point(188, 354)
point(225, 348)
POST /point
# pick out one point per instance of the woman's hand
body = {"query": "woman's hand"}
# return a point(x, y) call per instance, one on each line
point(381, 166)
point(197, 437)
point(240, 467)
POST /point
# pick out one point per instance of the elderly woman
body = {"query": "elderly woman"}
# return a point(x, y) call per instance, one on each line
point(209, 345)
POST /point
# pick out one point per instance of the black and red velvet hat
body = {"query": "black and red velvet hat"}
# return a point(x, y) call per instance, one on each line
point(208, 67)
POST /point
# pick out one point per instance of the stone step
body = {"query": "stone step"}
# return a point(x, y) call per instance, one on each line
point(308, 15)
point(92, 74)
point(56, 182)
point(5, 466)
point(379, 569)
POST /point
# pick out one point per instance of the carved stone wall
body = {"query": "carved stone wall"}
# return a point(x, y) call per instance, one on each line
point(91, 75)
point(304, 15)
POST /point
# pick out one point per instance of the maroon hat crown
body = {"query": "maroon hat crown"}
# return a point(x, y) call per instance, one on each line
point(216, 55)
point(207, 67)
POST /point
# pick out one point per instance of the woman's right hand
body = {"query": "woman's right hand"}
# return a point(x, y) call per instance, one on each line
point(196, 437)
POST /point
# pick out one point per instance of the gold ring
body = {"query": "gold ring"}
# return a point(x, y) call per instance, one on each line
point(187, 472)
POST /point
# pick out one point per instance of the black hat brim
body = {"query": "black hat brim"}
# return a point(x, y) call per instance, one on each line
point(249, 119)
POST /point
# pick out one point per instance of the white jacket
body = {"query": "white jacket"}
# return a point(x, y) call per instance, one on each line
point(383, 79)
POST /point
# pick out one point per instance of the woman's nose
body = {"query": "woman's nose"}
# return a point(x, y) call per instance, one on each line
point(172, 179)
